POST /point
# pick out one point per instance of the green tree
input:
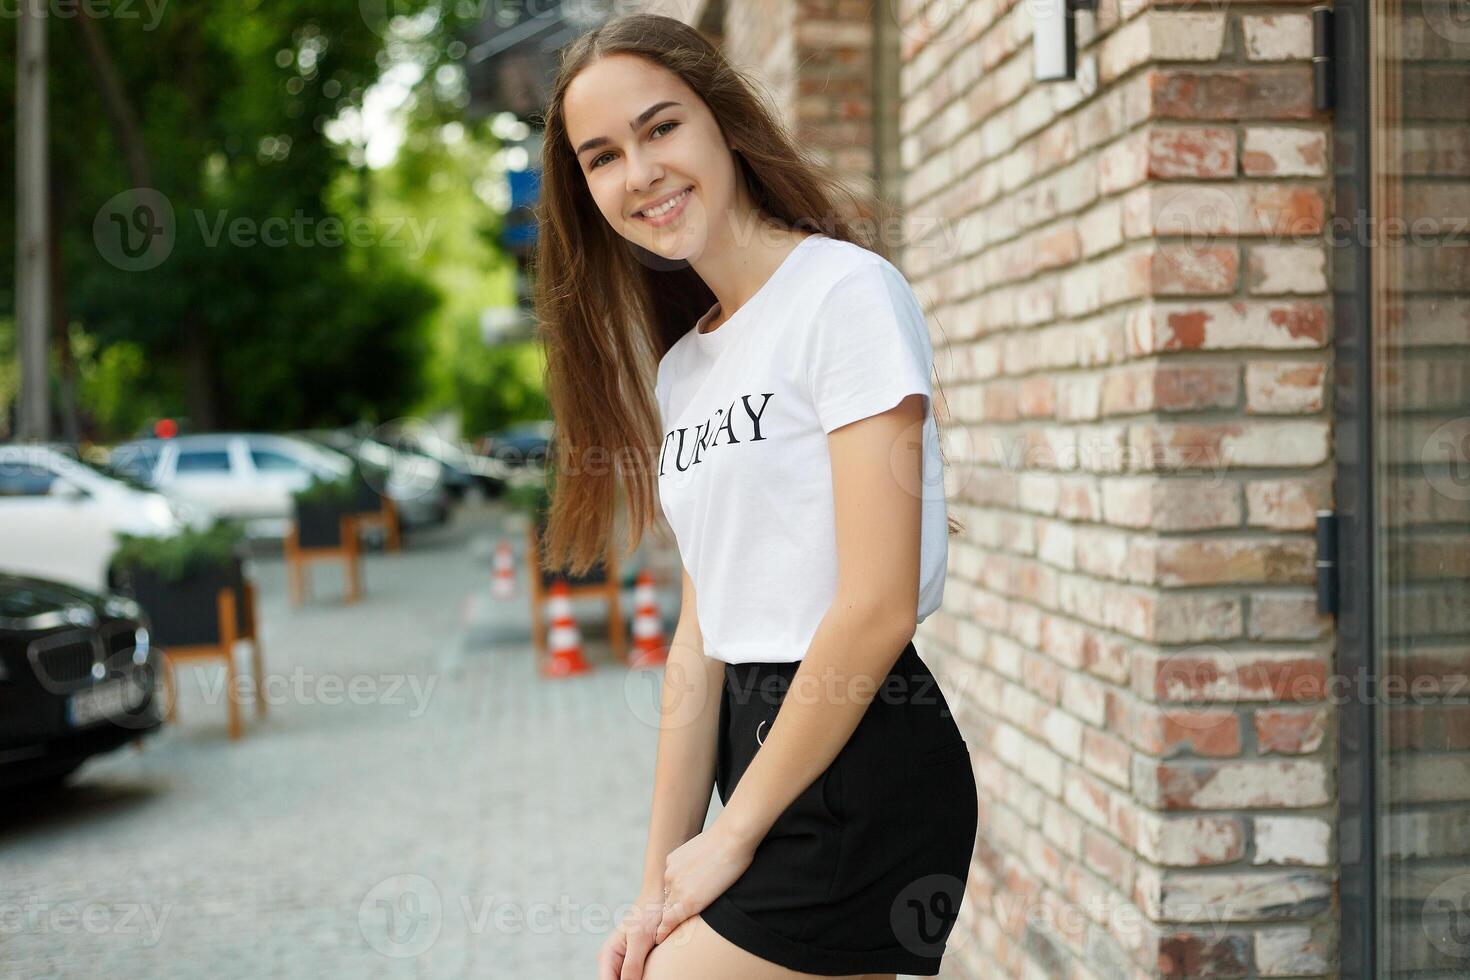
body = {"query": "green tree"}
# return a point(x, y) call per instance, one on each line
point(286, 296)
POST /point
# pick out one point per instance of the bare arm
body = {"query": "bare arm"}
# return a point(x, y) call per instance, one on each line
point(876, 467)
point(684, 771)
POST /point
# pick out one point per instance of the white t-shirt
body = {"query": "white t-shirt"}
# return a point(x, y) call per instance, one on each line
point(744, 475)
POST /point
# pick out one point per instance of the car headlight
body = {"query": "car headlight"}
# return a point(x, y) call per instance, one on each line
point(141, 645)
point(121, 607)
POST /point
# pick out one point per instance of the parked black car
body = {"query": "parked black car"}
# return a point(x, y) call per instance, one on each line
point(77, 678)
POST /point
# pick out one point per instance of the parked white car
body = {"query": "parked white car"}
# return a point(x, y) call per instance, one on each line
point(247, 476)
point(60, 515)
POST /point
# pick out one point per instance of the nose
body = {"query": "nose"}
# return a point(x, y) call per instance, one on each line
point(643, 171)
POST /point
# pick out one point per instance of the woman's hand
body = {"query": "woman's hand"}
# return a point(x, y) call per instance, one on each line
point(628, 945)
point(698, 871)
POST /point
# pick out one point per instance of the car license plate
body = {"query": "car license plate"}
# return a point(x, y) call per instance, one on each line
point(110, 699)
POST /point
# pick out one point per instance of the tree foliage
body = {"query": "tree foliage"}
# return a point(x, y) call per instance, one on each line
point(285, 298)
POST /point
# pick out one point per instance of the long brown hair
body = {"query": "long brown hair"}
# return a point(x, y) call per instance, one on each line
point(608, 309)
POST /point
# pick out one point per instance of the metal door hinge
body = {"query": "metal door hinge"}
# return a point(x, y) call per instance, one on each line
point(1322, 59)
point(1327, 563)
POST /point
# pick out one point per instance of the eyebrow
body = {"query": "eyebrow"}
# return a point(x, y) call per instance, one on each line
point(643, 117)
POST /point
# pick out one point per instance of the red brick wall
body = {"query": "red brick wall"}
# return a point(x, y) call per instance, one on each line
point(1129, 273)
point(1127, 284)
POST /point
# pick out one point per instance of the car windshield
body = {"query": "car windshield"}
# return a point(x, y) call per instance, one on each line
point(108, 472)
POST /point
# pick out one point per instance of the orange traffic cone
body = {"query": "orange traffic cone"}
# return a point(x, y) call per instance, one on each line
point(565, 639)
point(503, 585)
point(649, 649)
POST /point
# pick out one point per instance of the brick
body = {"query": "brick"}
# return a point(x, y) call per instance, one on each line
point(1161, 35)
point(1191, 152)
point(1169, 388)
point(1174, 730)
point(1214, 448)
point(1189, 955)
point(1284, 387)
point(1277, 37)
point(1277, 617)
point(1290, 731)
point(1293, 952)
point(1190, 841)
point(1201, 211)
point(1292, 840)
point(1179, 269)
point(1276, 270)
point(1105, 856)
point(1106, 756)
point(1279, 151)
point(1217, 561)
point(1197, 897)
point(1195, 505)
point(1285, 504)
point(1186, 618)
point(1211, 675)
point(1233, 325)
point(1231, 94)
point(1234, 785)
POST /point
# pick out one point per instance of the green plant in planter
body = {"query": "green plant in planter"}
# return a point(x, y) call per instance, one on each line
point(177, 580)
point(341, 491)
point(370, 481)
point(178, 556)
point(320, 507)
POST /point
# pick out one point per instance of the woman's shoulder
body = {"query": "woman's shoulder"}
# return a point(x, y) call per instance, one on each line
point(838, 262)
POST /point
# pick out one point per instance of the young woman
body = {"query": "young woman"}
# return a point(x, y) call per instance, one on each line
point(788, 432)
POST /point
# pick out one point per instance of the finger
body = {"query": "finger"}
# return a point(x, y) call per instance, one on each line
point(639, 945)
point(609, 963)
point(673, 915)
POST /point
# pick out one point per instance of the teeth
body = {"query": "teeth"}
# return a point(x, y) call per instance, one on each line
point(666, 206)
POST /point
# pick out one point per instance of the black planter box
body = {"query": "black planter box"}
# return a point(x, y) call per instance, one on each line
point(368, 499)
point(186, 612)
point(319, 525)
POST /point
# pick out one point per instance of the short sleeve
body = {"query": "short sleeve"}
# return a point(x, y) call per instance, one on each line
point(868, 347)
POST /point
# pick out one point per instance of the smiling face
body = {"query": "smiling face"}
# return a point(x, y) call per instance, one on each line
point(645, 142)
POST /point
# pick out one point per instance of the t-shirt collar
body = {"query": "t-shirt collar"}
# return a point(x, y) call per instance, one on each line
point(721, 337)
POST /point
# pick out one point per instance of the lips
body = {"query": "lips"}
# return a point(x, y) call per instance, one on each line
point(642, 212)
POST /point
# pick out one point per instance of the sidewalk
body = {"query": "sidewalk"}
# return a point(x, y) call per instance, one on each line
point(469, 818)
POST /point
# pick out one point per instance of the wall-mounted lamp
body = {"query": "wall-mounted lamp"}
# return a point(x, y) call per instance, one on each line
point(1054, 43)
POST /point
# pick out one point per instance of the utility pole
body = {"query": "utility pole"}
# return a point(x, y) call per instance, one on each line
point(32, 259)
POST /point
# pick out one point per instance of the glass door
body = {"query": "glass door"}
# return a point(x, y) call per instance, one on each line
point(1403, 413)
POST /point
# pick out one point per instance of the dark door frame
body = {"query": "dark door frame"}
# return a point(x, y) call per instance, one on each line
point(1350, 257)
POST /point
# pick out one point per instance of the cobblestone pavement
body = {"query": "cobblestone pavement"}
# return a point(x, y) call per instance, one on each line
point(417, 803)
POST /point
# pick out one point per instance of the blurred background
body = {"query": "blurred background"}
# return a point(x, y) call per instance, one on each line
point(278, 692)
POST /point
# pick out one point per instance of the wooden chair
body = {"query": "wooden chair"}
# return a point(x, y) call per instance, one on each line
point(298, 559)
point(230, 635)
point(387, 519)
point(602, 583)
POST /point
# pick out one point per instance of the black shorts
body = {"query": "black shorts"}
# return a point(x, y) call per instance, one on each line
point(865, 871)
